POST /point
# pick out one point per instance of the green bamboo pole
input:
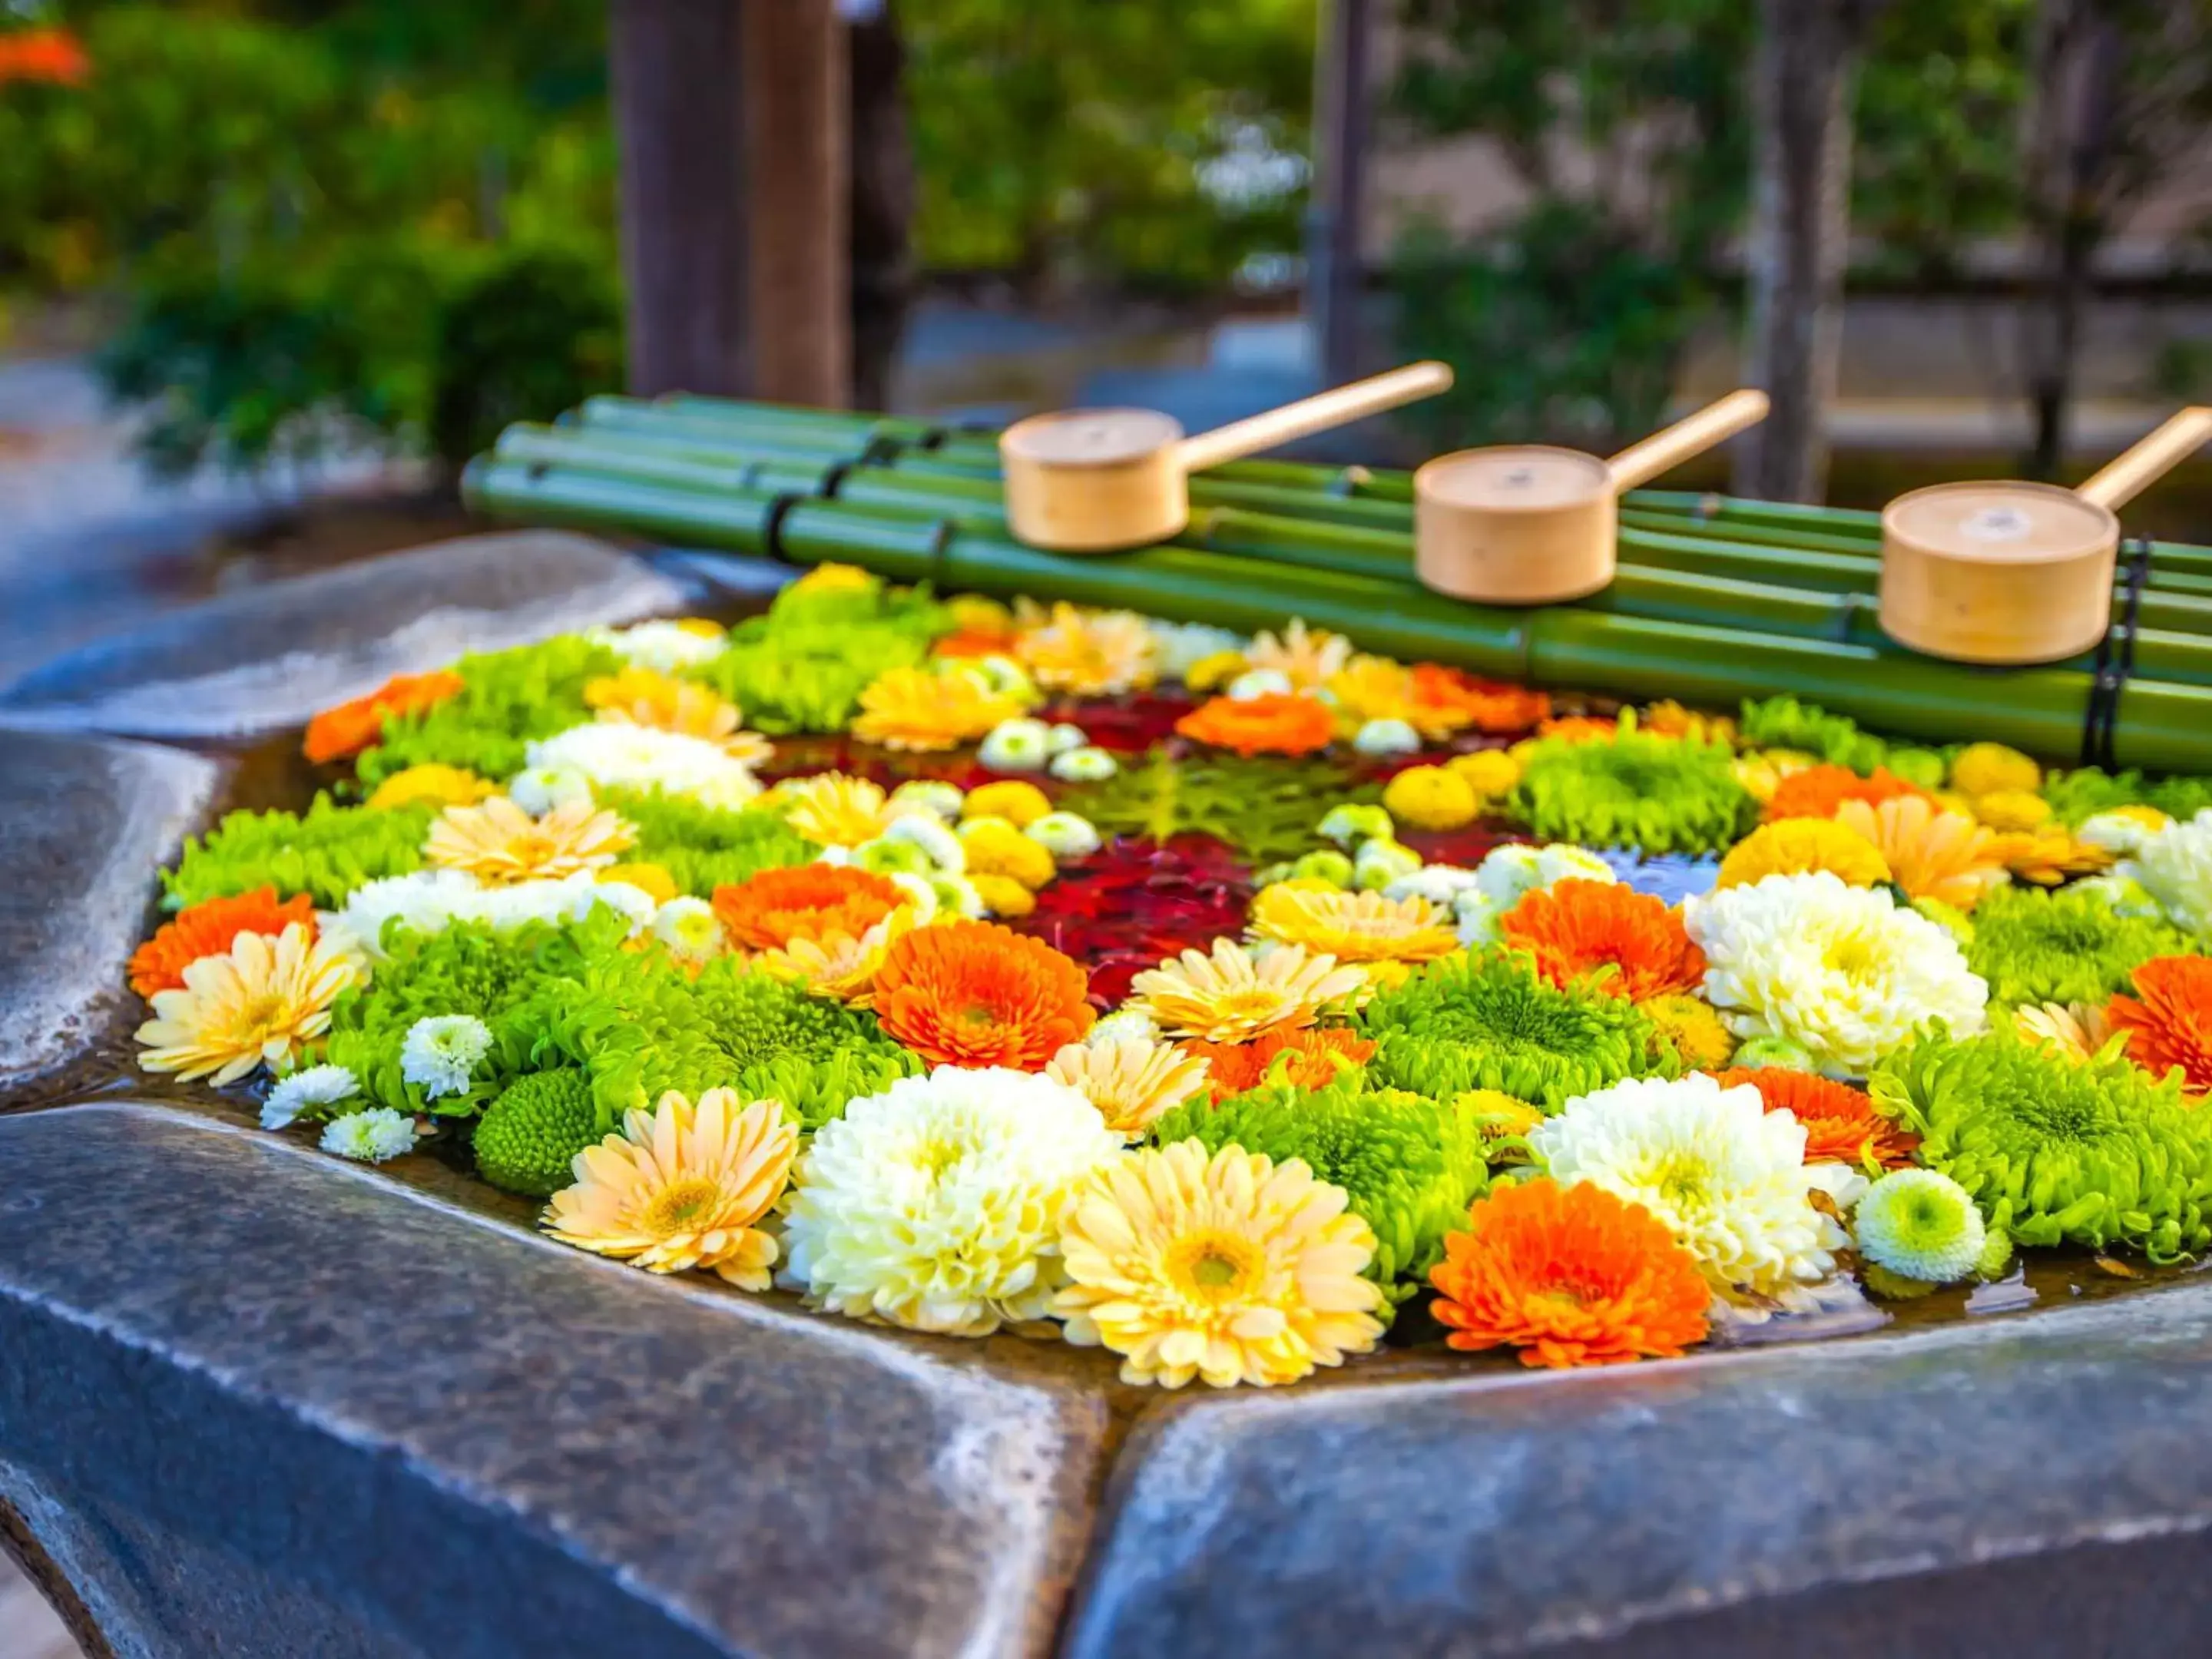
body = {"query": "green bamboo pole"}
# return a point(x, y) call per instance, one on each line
point(2163, 726)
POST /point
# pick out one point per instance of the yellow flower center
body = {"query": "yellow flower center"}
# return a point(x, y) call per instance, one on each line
point(1214, 1266)
point(681, 1206)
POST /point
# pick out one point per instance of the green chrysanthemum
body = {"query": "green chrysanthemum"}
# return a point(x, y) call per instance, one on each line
point(1411, 1165)
point(529, 1136)
point(818, 1089)
point(2084, 794)
point(802, 666)
point(2035, 946)
point(702, 847)
point(2054, 1150)
point(1465, 1024)
point(1785, 723)
point(1657, 794)
point(506, 699)
point(326, 852)
point(1920, 1223)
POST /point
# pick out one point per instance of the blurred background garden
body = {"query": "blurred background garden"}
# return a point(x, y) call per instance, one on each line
point(252, 251)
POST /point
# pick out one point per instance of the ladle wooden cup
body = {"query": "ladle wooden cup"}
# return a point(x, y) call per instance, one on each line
point(2016, 573)
point(1098, 480)
point(1529, 523)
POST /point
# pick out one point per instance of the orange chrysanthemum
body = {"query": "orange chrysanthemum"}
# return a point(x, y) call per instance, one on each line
point(1579, 728)
point(53, 57)
point(346, 730)
point(973, 994)
point(1817, 790)
point(1316, 1055)
point(1277, 723)
point(206, 929)
point(1575, 927)
point(1571, 1276)
point(768, 910)
point(1442, 700)
point(2169, 1024)
point(1841, 1123)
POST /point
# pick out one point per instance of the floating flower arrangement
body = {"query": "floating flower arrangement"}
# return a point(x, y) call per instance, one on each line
point(1219, 1002)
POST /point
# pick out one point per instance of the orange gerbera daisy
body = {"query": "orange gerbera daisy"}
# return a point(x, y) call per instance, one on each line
point(975, 993)
point(768, 910)
point(2171, 1024)
point(1817, 790)
point(1841, 1123)
point(1315, 1054)
point(346, 730)
point(206, 929)
point(1575, 927)
point(1441, 700)
point(1571, 1276)
point(1275, 723)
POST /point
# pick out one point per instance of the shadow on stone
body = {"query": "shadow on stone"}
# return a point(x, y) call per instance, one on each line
point(290, 1396)
point(266, 658)
point(81, 822)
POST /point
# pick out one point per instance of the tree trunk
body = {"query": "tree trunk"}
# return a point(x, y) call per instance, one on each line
point(883, 200)
point(678, 118)
point(797, 127)
point(2068, 145)
point(1799, 237)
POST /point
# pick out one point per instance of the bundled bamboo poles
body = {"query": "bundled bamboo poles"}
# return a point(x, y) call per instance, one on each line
point(1659, 633)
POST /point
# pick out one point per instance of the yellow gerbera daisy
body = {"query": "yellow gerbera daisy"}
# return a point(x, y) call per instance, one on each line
point(1235, 1269)
point(1930, 853)
point(1353, 927)
point(260, 1002)
point(1309, 658)
point(1133, 1081)
point(1794, 846)
point(2049, 855)
point(836, 964)
point(833, 808)
point(683, 1187)
point(1233, 995)
point(433, 782)
point(1089, 654)
point(923, 708)
point(500, 844)
point(644, 697)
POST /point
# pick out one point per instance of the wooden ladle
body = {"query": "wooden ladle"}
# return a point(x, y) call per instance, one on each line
point(2012, 572)
point(1098, 480)
point(1529, 523)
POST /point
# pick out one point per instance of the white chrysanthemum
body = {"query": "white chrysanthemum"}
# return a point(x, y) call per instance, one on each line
point(370, 1137)
point(424, 900)
point(1020, 745)
point(1084, 764)
point(957, 896)
point(2174, 866)
point(1001, 676)
point(1381, 739)
point(1128, 1025)
point(614, 754)
point(538, 790)
point(1841, 971)
point(441, 1052)
point(1350, 825)
point(2126, 895)
point(1064, 738)
point(2123, 831)
point(665, 646)
point(1178, 647)
point(1068, 836)
point(557, 903)
point(1725, 1175)
point(307, 1091)
point(935, 1204)
point(1255, 683)
point(933, 836)
point(1439, 884)
point(1378, 863)
point(1920, 1223)
point(1507, 874)
point(932, 795)
point(689, 927)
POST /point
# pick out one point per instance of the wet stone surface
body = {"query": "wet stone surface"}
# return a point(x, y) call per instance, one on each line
point(266, 657)
point(81, 823)
point(319, 1404)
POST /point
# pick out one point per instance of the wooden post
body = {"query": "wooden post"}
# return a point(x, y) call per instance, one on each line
point(1335, 272)
point(678, 120)
point(798, 126)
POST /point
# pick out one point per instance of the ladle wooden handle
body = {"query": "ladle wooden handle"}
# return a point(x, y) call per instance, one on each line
point(1693, 434)
point(2134, 470)
point(1316, 414)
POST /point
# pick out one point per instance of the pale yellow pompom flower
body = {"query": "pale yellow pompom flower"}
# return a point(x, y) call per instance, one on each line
point(1360, 928)
point(1133, 1081)
point(260, 1002)
point(1089, 654)
point(683, 1187)
point(1232, 1269)
point(1232, 995)
point(500, 844)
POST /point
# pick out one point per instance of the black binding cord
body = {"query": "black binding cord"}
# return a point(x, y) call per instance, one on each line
point(772, 525)
point(2114, 662)
point(941, 538)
